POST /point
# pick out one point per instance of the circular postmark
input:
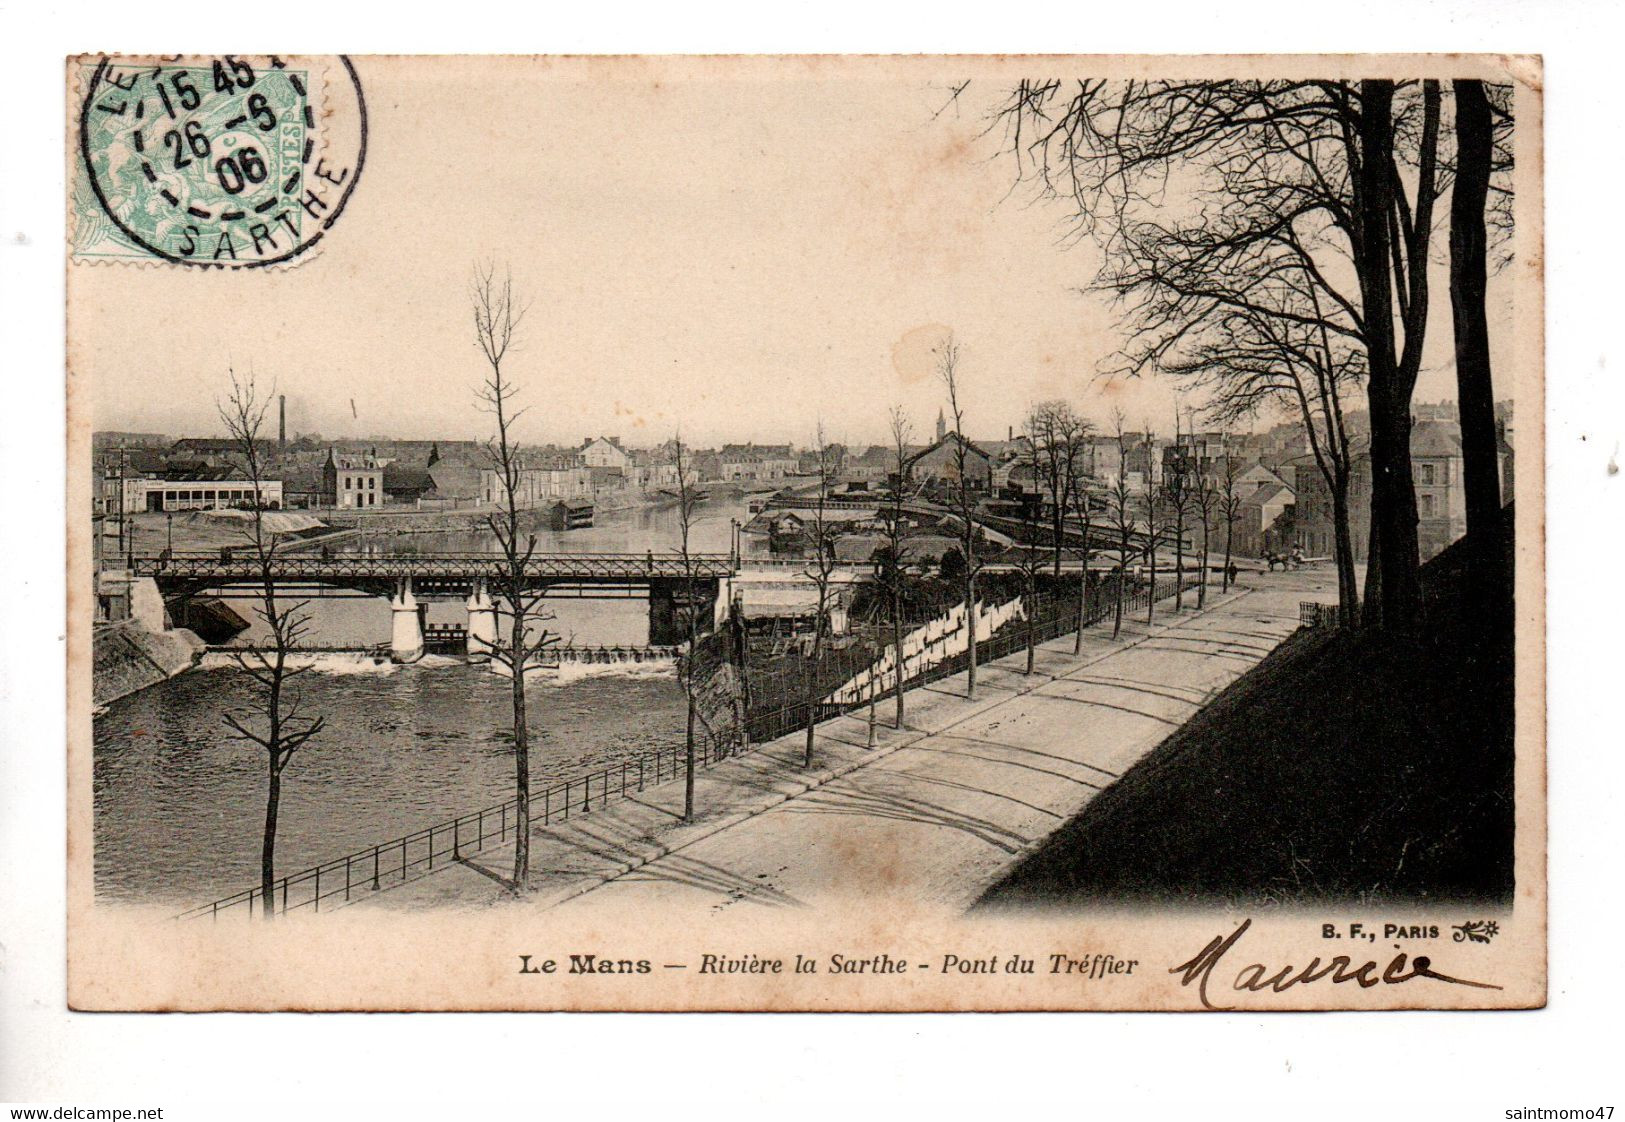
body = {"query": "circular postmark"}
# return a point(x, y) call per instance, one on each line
point(229, 161)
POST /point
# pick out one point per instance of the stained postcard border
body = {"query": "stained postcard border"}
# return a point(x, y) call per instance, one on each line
point(127, 959)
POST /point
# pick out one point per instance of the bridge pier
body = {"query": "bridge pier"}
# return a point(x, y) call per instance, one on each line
point(482, 623)
point(406, 633)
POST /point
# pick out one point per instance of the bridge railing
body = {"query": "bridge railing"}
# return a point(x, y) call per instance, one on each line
point(229, 563)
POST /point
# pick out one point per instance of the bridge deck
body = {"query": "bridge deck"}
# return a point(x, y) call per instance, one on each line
point(575, 567)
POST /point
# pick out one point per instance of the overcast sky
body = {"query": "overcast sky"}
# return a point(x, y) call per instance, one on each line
point(737, 258)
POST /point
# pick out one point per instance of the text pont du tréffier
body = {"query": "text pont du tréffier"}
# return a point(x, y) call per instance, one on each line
point(1085, 966)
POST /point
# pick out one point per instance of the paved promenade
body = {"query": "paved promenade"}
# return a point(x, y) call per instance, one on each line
point(935, 812)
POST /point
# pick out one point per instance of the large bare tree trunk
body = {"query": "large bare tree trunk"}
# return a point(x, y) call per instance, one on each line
point(897, 636)
point(1201, 569)
point(1371, 613)
point(1474, 389)
point(970, 624)
point(1348, 591)
point(1083, 583)
point(273, 800)
point(688, 758)
point(1151, 591)
point(1229, 543)
point(1122, 576)
point(1393, 495)
point(521, 752)
point(1179, 561)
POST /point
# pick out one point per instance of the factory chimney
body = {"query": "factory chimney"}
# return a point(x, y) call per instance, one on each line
point(282, 422)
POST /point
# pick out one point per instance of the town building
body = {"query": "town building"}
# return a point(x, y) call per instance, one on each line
point(1203, 453)
point(834, 459)
point(352, 481)
point(758, 463)
point(656, 470)
point(939, 464)
point(606, 452)
point(1441, 498)
point(1266, 521)
point(1138, 459)
point(1437, 475)
point(455, 481)
point(169, 495)
point(539, 486)
point(406, 484)
point(1254, 476)
point(877, 462)
point(216, 450)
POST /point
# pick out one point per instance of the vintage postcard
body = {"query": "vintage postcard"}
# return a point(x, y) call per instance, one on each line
point(805, 533)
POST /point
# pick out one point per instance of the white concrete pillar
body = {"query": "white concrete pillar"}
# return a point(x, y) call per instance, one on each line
point(147, 604)
point(724, 604)
point(482, 623)
point(406, 634)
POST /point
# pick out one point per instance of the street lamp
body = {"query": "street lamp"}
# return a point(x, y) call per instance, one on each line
point(169, 533)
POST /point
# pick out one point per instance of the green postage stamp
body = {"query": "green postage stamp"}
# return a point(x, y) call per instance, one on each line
point(225, 161)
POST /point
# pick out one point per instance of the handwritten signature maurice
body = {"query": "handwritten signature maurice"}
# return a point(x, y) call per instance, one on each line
point(1256, 977)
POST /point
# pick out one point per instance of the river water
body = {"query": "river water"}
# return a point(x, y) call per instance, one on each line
point(180, 804)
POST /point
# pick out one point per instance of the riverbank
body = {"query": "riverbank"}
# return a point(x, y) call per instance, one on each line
point(934, 812)
point(127, 657)
point(413, 520)
point(179, 800)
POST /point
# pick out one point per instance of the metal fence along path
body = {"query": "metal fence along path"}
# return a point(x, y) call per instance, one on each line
point(335, 883)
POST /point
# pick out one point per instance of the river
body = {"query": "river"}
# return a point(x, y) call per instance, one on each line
point(180, 804)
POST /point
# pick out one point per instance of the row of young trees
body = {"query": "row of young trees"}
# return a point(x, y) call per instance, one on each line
point(1190, 499)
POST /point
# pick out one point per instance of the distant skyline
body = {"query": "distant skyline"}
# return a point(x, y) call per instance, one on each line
point(736, 259)
point(927, 437)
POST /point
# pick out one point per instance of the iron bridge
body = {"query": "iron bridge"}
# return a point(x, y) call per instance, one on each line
point(431, 574)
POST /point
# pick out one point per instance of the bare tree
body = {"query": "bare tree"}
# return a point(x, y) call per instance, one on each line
point(948, 370)
point(274, 719)
point(1081, 502)
point(1250, 360)
point(1121, 518)
point(1179, 493)
point(1054, 430)
point(1340, 177)
point(1155, 507)
point(894, 540)
point(1475, 391)
point(685, 515)
point(1207, 504)
point(822, 565)
point(1031, 560)
point(1229, 508)
point(497, 316)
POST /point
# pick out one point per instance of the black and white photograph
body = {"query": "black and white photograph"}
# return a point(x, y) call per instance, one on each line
point(806, 533)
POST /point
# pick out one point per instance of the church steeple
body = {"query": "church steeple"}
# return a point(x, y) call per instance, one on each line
point(942, 426)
